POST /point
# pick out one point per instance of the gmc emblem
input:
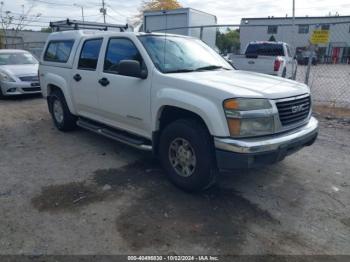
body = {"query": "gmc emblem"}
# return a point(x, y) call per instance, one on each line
point(299, 108)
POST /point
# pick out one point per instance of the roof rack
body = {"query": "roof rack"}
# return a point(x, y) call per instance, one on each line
point(66, 25)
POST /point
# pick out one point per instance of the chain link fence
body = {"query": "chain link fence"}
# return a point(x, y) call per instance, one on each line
point(325, 67)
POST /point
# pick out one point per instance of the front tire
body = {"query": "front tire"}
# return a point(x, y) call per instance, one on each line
point(62, 117)
point(187, 154)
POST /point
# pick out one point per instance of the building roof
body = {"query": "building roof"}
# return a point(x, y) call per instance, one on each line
point(297, 17)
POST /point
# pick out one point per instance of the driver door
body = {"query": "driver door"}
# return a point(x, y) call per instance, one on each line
point(124, 101)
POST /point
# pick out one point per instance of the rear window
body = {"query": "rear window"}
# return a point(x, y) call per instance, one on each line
point(265, 49)
point(58, 51)
point(89, 54)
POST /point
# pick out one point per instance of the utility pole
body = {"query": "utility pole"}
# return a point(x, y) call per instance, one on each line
point(103, 10)
point(82, 11)
point(294, 68)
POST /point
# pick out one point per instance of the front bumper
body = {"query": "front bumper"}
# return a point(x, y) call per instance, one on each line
point(19, 88)
point(255, 152)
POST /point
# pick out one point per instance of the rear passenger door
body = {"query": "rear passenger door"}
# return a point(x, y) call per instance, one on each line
point(84, 80)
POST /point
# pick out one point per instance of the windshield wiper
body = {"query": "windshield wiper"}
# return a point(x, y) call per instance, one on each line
point(180, 71)
point(210, 67)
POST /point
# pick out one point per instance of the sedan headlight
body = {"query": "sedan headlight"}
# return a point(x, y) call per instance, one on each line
point(241, 122)
point(6, 77)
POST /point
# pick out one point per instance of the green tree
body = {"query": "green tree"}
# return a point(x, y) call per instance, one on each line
point(228, 41)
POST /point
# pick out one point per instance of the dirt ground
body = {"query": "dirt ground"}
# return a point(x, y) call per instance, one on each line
point(79, 193)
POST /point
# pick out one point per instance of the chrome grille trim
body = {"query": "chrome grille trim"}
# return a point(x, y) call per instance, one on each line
point(293, 110)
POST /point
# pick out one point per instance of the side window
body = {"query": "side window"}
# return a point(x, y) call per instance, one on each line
point(325, 27)
point(303, 29)
point(272, 29)
point(89, 54)
point(58, 51)
point(120, 49)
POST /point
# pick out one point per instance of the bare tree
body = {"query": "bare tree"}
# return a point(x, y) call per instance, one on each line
point(16, 22)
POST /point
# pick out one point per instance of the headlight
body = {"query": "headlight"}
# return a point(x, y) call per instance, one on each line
point(246, 104)
point(244, 125)
point(6, 77)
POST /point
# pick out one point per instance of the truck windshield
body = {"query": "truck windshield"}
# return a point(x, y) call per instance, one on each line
point(265, 49)
point(17, 59)
point(174, 54)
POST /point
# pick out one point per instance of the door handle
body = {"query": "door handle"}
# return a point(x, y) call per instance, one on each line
point(77, 77)
point(104, 81)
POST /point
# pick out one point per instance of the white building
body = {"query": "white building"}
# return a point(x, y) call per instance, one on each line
point(32, 41)
point(182, 19)
point(262, 29)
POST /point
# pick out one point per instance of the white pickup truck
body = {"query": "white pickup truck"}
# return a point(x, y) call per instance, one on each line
point(177, 97)
point(272, 58)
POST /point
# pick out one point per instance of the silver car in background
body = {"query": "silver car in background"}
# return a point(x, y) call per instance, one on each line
point(18, 73)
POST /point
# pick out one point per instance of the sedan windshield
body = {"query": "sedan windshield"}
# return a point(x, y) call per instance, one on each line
point(17, 59)
point(175, 54)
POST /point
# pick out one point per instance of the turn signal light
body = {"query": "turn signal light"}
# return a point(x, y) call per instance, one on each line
point(231, 104)
point(234, 125)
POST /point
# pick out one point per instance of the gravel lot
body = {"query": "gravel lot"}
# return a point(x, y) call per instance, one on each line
point(79, 193)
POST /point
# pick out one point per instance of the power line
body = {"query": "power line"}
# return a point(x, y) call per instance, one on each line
point(111, 17)
point(48, 17)
point(51, 3)
point(118, 13)
point(29, 25)
point(31, 21)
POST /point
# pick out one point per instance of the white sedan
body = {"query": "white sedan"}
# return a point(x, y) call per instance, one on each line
point(18, 73)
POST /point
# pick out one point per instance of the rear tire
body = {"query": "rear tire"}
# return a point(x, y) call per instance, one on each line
point(187, 154)
point(62, 117)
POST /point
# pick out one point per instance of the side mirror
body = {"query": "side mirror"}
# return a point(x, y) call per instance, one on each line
point(131, 68)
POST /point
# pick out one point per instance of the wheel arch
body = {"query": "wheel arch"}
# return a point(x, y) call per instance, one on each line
point(170, 113)
point(206, 108)
point(62, 88)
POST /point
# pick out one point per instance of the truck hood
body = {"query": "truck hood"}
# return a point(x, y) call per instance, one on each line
point(20, 70)
point(237, 83)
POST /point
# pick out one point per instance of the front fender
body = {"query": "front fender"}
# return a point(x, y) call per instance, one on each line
point(209, 111)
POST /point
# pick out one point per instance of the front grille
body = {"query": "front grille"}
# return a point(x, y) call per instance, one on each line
point(31, 89)
point(294, 111)
point(29, 78)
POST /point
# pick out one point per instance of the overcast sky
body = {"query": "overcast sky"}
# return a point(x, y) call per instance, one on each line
point(227, 11)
